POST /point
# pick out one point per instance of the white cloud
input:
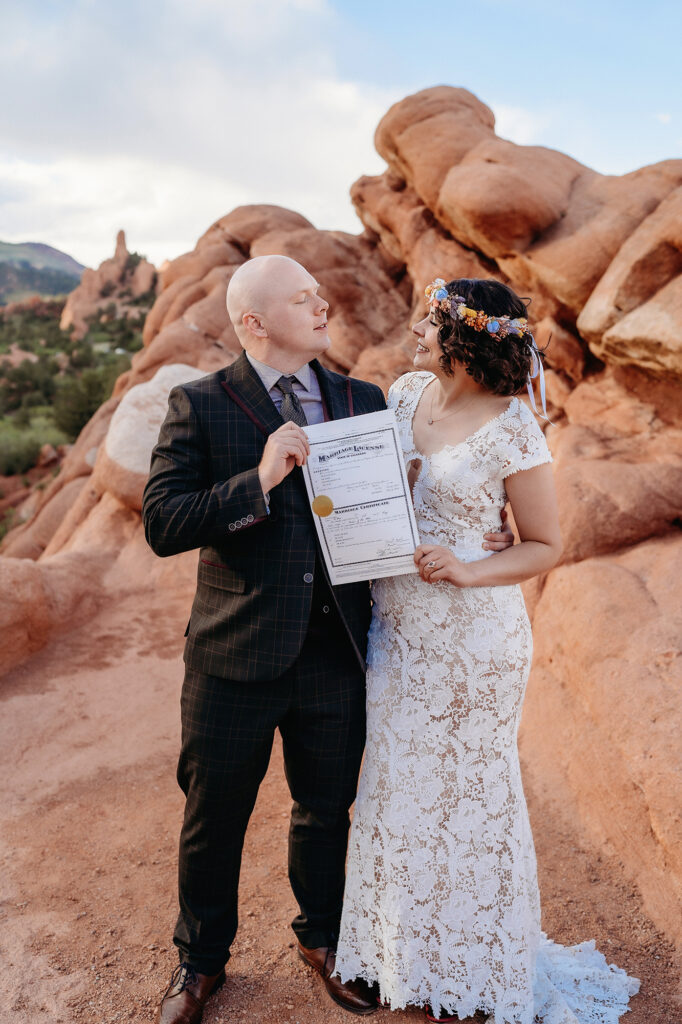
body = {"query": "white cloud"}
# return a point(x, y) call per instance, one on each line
point(663, 118)
point(79, 205)
point(259, 21)
point(519, 125)
point(160, 123)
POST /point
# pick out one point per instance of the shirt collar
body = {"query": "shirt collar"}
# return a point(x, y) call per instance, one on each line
point(269, 375)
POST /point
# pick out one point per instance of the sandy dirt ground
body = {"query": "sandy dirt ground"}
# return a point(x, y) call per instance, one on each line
point(89, 734)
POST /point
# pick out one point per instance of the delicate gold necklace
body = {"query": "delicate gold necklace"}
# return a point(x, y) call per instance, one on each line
point(431, 419)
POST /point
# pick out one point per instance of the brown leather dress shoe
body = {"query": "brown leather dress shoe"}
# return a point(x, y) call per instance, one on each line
point(357, 995)
point(184, 999)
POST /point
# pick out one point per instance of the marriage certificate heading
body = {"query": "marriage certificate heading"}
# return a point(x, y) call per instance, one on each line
point(358, 490)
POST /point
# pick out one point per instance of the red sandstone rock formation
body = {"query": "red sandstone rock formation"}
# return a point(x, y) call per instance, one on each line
point(120, 280)
point(601, 258)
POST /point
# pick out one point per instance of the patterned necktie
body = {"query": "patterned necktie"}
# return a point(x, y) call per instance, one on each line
point(291, 408)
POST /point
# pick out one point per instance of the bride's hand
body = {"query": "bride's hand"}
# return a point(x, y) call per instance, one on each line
point(437, 563)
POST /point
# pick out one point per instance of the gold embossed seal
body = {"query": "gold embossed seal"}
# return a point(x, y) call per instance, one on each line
point(323, 506)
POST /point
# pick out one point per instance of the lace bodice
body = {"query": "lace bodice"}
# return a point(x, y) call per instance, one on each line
point(459, 491)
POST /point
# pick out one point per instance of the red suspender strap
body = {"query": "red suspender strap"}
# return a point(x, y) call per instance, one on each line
point(349, 392)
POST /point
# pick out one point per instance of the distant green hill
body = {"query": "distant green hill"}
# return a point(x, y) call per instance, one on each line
point(32, 268)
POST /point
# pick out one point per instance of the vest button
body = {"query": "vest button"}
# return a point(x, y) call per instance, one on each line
point(325, 609)
point(308, 577)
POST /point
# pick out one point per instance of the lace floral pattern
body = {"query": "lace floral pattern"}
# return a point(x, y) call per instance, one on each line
point(441, 902)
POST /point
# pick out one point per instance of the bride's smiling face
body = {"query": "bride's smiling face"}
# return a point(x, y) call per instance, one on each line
point(427, 356)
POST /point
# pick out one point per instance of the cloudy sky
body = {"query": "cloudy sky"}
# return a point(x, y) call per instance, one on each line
point(160, 116)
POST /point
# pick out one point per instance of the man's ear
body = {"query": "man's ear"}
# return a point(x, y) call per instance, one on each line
point(254, 325)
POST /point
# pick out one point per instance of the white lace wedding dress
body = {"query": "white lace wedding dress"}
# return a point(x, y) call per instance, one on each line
point(441, 902)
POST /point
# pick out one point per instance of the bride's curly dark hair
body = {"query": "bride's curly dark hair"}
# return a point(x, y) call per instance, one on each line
point(500, 365)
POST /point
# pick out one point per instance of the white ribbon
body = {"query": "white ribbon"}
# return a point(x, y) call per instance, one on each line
point(536, 370)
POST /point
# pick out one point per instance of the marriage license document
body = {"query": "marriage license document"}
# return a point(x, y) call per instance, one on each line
point(360, 498)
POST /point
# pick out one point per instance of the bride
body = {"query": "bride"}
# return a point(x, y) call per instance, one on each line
point(441, 905)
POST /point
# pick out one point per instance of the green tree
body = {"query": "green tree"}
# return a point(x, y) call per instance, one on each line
point(82, 356)
point(27, 378)
point(18, 450)
point(79, 398)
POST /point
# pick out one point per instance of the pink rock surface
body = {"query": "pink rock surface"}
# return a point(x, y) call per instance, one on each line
point(632, 317)
point(45, 598)
point(31, 542)
point(605, 682)
point(551, 224)
point(618, 470)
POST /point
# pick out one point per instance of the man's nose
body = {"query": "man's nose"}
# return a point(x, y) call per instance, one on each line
point(322, 304)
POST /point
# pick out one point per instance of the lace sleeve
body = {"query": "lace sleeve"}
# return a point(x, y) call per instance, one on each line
point(523, 443)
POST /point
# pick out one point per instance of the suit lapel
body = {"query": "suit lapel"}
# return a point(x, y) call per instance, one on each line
point(334, 392)
point(244, 386)
point(246, 389)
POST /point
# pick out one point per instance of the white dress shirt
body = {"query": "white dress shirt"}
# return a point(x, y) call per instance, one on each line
point(305, 386)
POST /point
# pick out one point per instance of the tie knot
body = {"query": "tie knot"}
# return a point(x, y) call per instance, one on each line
point(286, 385)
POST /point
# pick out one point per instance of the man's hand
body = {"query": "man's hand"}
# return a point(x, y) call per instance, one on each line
point(499, 541)
point(286, 448)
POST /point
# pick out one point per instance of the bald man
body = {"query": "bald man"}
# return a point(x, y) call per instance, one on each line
point(270, 644)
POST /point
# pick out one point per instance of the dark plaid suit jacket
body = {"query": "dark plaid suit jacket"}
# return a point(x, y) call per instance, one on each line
point(254, 590)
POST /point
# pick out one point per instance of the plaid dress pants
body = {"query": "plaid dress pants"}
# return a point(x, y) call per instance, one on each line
point(228, 727)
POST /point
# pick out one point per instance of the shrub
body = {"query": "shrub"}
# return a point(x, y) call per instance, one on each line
point(133, 259)
point(7, 521)
point(79, 398)
point(22, 417)
point(18, 451)
point(119, 332)
point(27, 377)
point(34, 327)
point(82, 355)
point(147, 299)
point(20, 448)
point(34, 401)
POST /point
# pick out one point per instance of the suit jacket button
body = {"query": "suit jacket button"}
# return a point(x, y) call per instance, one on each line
point(245, 521)
point(249, 518)
point(308, 577)
point(232, 527)
point(325, 609)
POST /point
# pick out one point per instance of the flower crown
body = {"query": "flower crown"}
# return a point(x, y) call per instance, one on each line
point(499, 326)
point(438, 297)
